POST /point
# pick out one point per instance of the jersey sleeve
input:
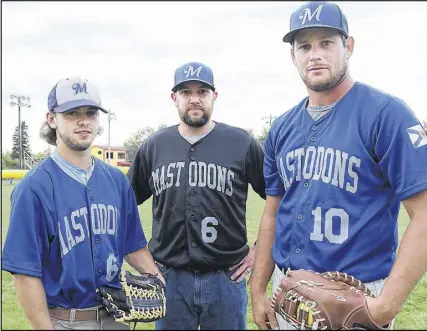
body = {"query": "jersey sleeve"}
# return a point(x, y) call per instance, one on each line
point(135, 236)
point(254, 166)
point(401, 148)
point(273, 182)
point(26, 245)
point(138, 175)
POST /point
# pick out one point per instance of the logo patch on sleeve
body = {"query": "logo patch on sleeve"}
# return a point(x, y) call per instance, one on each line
point(417, 135)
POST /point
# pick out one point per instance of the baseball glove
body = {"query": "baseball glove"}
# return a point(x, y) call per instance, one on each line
point(323, 301)
point(141, 299)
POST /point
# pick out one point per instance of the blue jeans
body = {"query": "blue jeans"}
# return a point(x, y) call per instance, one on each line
point(210, 300)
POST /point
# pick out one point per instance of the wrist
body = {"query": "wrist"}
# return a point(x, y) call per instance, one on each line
point(389, 308)
point(257, 289)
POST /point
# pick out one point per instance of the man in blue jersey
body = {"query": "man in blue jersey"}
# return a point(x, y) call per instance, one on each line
point(73, 220)
point(337, 166)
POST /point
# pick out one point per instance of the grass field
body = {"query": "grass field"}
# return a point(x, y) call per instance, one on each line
point(412, 317)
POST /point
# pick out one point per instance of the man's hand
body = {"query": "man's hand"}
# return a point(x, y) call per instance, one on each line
point(160, 276)
point(263, 315)
point(246, 266)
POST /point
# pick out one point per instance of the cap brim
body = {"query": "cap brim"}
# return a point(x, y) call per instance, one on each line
point(174, 89)
point(76, 104)
point(290, 36)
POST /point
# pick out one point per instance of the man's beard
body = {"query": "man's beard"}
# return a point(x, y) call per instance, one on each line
point(198, 123)
point(329, 85)
point(74, 144)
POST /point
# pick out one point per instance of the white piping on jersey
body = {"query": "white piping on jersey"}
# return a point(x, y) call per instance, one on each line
point(77, 173)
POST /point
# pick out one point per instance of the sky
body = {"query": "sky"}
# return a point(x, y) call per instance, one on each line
point(130, 51)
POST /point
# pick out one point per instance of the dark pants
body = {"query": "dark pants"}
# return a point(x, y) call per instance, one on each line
point(210, 300)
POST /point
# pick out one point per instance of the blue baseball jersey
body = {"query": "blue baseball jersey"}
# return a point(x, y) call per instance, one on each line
point(71, 236)
point(341, 179)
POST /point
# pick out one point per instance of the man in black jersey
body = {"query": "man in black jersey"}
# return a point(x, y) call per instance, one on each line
point(198, 174)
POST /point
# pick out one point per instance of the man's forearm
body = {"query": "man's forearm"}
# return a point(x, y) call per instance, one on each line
point(142, 261)
point(264, 264)
point(409, 267)
point(32, 298)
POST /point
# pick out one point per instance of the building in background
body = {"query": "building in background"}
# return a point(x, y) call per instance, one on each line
point(117, 155)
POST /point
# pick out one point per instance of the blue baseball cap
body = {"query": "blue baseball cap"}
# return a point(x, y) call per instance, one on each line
point(73, 92)
point(193, 71)
point(317, 14)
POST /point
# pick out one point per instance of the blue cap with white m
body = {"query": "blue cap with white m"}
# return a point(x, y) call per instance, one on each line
point(317, 14)
point(193, 71)
point(74, 92)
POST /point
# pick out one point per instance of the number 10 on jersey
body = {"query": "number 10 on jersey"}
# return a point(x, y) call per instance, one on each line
point(340, 215)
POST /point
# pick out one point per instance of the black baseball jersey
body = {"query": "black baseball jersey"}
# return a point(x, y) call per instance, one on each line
point(199, 194)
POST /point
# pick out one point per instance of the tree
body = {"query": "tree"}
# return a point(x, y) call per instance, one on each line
point(161, 127)
point(134, 142)
point(25, 141)
point(268, 120)
point(251, 132)
point(263, 136)
point(39, 156)
point(7, 162)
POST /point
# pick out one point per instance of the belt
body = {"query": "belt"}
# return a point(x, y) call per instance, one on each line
point(78, 315)
point(204, 271)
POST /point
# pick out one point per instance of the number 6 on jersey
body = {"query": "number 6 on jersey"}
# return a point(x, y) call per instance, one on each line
point(209, 233)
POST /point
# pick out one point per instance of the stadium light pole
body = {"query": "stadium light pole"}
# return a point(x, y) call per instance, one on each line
point(111, 116)
point(19, 103)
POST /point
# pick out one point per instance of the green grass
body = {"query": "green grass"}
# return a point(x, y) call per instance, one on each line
point(412, 317)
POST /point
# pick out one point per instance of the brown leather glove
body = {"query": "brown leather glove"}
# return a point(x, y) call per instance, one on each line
point(323, 301)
